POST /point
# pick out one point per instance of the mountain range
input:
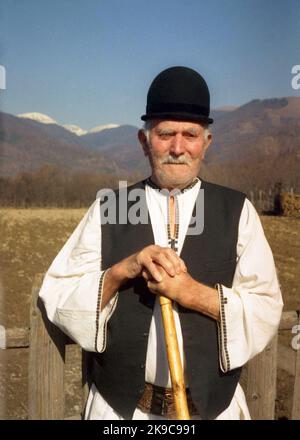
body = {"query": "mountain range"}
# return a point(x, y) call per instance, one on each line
point(255, 144)
point(45, 119)
point(26, 145)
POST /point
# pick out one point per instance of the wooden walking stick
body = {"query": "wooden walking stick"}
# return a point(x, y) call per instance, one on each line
point(175, 366)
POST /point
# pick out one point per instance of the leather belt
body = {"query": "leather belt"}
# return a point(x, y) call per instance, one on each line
point(160, 401)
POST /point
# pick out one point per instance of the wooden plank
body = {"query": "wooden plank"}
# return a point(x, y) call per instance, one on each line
point(261, 383)
point(286, 359)
point(288, 320)
point(296, 398)
point(86, 376)
point(46, 363)
point(17, 337)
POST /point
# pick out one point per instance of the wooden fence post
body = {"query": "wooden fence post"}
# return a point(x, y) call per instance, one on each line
point(86, 364)
point(261, 383)
point(46, 363)
point(260, 200)
point(296, 398)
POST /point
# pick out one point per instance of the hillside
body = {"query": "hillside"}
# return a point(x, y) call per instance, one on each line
point(27, 145)
point(258, 143)
point(254, 144)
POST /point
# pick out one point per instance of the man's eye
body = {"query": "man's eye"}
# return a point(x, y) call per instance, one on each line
point(190, 135)
point(165, 135)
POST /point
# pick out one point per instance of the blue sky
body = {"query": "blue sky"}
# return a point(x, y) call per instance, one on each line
point(91, 62)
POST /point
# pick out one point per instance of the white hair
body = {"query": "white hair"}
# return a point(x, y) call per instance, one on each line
point(147, 126)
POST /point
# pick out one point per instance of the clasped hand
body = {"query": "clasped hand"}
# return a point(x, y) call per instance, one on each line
point(166, 274)
point(164, 271)
point(176, 287)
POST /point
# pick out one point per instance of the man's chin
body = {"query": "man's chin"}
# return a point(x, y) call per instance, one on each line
point(175, 181)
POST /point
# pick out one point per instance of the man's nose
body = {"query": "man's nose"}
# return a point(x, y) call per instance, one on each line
point(177, 145)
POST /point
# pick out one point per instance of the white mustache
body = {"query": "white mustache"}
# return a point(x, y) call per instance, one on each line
point(182, 160)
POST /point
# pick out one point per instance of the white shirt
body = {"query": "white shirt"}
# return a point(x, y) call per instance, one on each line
point(252, 312)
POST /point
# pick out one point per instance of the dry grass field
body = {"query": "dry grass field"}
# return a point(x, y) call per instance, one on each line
point(31, 238)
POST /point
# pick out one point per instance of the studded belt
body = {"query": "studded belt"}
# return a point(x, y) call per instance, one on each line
point(160, 401)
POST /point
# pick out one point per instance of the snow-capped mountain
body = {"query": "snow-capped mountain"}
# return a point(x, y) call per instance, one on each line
point(39, 117)
point(75, 129)
point(27, 145)
point(45, 119)
point(103, 127)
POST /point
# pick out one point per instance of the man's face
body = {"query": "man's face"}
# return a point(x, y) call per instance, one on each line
point(176, 150)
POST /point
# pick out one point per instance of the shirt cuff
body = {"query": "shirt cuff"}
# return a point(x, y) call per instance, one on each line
point(228, 327)
point(222, 332)
point(102, 316)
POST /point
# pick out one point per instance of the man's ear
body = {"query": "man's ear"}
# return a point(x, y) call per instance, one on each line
point(206, 145)
point(143, 141)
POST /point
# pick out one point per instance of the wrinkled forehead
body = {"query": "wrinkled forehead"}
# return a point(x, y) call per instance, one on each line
point(168, 125)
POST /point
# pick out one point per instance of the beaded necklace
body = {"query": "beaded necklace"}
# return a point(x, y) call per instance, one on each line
point(173, 211)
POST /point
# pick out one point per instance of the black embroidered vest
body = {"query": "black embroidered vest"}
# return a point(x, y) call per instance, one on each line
point(119, 372)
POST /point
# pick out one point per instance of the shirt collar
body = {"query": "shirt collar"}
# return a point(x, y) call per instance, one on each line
point(153, 185)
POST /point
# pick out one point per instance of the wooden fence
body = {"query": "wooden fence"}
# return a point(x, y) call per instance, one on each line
point(46, 396)
point(268, 201)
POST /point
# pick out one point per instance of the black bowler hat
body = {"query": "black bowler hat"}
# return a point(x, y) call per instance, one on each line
point(178, 93)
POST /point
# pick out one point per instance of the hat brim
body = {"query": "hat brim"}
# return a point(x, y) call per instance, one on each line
point(180, 116)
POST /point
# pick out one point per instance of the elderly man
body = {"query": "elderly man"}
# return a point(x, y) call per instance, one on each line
point(103, 287)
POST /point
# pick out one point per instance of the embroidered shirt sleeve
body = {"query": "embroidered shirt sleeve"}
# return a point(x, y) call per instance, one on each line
point(250, 310)
point(102, 316)
point(222, 332)
point(70, 289)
